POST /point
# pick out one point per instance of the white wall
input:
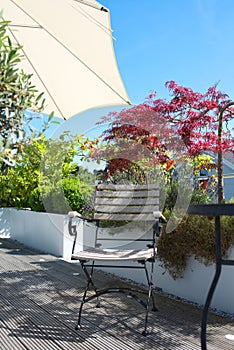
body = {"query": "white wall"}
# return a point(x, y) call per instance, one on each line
point(37, 230)
point(196, 282)
point(44, 231)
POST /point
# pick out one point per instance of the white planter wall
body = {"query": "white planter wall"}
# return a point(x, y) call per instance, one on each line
point(196, 282)
point(49, 233)
point(44, 231)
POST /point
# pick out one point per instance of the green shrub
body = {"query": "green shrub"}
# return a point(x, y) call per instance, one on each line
point(15, 189)
point(45, 183)
point(19, 192)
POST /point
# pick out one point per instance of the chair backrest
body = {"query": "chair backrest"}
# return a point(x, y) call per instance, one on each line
point(126, 203)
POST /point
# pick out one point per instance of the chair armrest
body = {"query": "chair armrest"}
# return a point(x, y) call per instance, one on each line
point(160, 216)
point(75, 214)
point(159, 220)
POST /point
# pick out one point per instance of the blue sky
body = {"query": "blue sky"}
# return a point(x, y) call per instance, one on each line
point(190, 41)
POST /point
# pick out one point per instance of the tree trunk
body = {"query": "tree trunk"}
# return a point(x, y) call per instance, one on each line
point(220, 178)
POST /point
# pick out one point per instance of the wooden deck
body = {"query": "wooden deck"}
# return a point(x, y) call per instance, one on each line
point(39, 299)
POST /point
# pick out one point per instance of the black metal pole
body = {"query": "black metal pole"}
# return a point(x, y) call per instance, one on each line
point(218, 258)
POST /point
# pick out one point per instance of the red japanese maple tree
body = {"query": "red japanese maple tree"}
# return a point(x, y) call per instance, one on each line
point(137, 138)
point(202, 121)
point(189, 122)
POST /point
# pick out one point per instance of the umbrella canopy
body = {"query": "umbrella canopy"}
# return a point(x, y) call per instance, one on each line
point(67, 45)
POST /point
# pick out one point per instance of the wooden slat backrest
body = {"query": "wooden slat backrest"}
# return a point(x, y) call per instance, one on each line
point(126, 202)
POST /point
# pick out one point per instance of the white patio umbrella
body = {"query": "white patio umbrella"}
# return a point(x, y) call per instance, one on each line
point(67, 45)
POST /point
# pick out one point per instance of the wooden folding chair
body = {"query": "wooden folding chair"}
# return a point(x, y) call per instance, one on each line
point(120, 203)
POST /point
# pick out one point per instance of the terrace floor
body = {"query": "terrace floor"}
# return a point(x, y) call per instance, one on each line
point(39, 300)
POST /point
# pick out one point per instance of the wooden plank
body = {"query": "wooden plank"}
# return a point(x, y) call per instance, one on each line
point(123, 217)
point(127, 201)
point(9, 342)
point(127, 187)
point(29, 335)
point(39, 329)
point(126, 209)
point(129, 194)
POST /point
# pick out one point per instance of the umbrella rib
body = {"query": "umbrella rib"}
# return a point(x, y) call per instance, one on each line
point(24, 26)
point(92, 19)
point(101, 8)
point(73, 54)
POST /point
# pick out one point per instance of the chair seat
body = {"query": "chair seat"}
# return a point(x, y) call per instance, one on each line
point(113, 254)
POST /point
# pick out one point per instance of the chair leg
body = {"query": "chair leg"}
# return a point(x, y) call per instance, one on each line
point(89, 282)
point(150, 280)
point(78, 326)
point(154, 308)
point(145, 332)
point(150, 295)
point(89, 279)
